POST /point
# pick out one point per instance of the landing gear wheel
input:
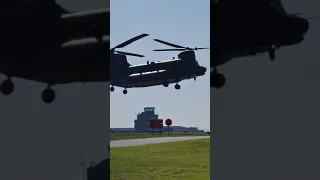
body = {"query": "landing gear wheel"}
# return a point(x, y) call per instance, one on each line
point(112, 89)
point(7, 87)
point(48, 95)
point(177, 86)
point(217, 80)
point(125, 91)
point(165, 84)
point(272, 53)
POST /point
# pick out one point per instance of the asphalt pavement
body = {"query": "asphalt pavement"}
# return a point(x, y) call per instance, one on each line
point(146, 141)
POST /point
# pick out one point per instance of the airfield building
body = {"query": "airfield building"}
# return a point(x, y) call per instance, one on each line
point(141, 124)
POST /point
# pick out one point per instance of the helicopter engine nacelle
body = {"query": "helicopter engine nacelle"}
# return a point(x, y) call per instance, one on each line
point(151, 66)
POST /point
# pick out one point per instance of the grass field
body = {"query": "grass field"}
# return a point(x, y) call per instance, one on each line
point(183, 160)
point(119, 136)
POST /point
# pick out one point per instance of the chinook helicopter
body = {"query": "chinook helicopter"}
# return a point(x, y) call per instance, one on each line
point(248, 28)
point(162, 72)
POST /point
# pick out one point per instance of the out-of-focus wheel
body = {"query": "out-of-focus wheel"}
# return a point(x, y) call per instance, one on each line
point(217, 80)
point(7, 87)
point(48, 95)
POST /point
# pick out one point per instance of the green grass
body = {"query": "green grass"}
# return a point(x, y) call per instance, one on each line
point(183, 160)
point(119, 136)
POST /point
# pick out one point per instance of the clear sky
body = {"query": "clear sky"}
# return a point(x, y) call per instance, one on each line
point(269, 111)
point(183, 22)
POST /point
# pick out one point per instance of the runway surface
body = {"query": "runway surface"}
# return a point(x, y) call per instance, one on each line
point(146, 141)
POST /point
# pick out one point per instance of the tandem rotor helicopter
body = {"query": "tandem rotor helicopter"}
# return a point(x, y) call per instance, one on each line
point(156, 72)
point(248, 27)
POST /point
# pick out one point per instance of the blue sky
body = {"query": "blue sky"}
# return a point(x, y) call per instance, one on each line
point(183, 22)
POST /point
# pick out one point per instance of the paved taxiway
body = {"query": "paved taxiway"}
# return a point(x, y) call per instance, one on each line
point(146, 141)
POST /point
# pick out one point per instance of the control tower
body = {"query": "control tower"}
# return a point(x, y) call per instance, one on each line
point(141, 124)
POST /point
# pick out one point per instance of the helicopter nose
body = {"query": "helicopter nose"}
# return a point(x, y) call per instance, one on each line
point(201, 70)
point(204, 69)
point(302, 25)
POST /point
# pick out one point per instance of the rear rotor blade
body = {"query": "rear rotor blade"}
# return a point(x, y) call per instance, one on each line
point(169, 44)
point(130, 41)
point(129, 54)
point(180, 49)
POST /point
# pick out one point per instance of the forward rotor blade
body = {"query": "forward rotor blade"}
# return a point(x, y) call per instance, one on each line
point(180, 49)
point(130, 41)
point(169, 44)
point(129, 54)
point(296, 14)
point(169, 49)
point(201, 48)
point(316, 17)
point(309, 18)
